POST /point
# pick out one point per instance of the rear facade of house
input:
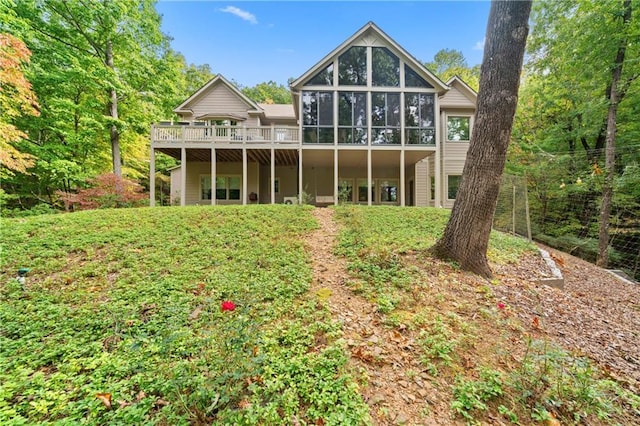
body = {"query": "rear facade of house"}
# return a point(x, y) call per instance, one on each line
point(368, 124)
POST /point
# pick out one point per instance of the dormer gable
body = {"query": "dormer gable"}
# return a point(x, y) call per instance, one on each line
point(218, 98)
point(460, 94)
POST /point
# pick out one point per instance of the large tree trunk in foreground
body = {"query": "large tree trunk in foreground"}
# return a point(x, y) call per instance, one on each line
point(466, 236)
point(610, 148)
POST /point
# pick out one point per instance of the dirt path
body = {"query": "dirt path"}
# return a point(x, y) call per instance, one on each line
point(396, 388)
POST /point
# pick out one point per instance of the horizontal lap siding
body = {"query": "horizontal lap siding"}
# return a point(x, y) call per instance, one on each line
point(422, 183)
point(220, 100)
point(454, 98)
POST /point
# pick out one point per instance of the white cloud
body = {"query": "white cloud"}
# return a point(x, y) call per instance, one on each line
point(242, 14)
point(479, 44)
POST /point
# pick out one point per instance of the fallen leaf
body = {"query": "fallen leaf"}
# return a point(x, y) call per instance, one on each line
point(195, 313)
point(161, 402)
point(140, 396)
point(535, 323)
point(105, 398)
point(123, 404)
point(244, 404)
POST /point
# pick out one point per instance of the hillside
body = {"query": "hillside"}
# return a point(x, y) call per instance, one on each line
point(339, 317)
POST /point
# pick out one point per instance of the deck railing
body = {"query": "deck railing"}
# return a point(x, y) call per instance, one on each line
point(189, 133)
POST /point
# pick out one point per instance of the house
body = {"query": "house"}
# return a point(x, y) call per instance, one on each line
point(368, 124)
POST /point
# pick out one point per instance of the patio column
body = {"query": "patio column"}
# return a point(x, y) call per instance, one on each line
point(152, 178)
point(244, 176)
point(273, 175)
point(369, 177)
point(213, 176)
point(402, 173)
point(437, 196)
point(183, 176)
point(300, 175)
point(336, 183)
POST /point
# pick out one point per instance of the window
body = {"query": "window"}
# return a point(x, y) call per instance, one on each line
point(345, 190)
point(352, 118)
point(412, 79)
point(362, 191)
point(276, 185)
point(386, 67)
point(227, 188)
point(458, 128)
point(205, 187)
point(317, 117)
point(385, 118)
point(352, 67)
point(388, 191)
point(453, 183)
point(323, 78)
point(432, 195)
point(419, 119)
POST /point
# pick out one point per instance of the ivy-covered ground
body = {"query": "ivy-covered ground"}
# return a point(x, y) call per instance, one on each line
point(277, 315)
point(120, 321)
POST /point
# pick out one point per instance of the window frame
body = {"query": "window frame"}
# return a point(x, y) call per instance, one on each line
point(201, 187)
point(469, 117)
point(227, 187)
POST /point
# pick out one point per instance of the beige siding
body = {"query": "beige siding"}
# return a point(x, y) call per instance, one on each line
point(454, 155)
point(422, 183)
point(288, 182)
point(456, 99)
point(175, 187)
point(220, 100)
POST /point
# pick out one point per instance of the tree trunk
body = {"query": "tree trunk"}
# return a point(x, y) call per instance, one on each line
point(610, 145)
point(113, 113)
point(466, 236)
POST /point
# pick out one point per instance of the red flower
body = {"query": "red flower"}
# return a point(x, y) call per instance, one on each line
point(228, 305)
point(501, 305)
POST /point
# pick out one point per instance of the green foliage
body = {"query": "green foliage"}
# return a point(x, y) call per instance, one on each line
point(473, 395)
point(269, 93)
point(125, 305)
point(448, 63)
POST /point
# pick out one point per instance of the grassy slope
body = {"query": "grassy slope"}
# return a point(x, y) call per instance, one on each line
point(125, 305)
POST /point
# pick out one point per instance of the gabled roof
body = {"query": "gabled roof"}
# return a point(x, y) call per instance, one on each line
point(463, 87)
point(372, 28)
point(218, 79)
point(282, 111)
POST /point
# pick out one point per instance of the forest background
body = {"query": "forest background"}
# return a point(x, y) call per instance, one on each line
point(80, 87)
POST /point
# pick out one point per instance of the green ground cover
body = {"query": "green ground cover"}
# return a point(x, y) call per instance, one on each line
point(120, 321)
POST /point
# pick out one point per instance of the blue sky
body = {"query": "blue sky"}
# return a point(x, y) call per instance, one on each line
point(255, 41)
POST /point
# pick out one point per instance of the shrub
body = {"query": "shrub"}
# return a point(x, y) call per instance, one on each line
point(105, 191)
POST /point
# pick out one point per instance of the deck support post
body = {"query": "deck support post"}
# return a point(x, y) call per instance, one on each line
point(213, 176)
point(300, 175)
point(183, 176)
point(273, 175)
point(402, 183)
point(152, 178)
point(369, 178)
point(244, 176)
point(336, 183)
